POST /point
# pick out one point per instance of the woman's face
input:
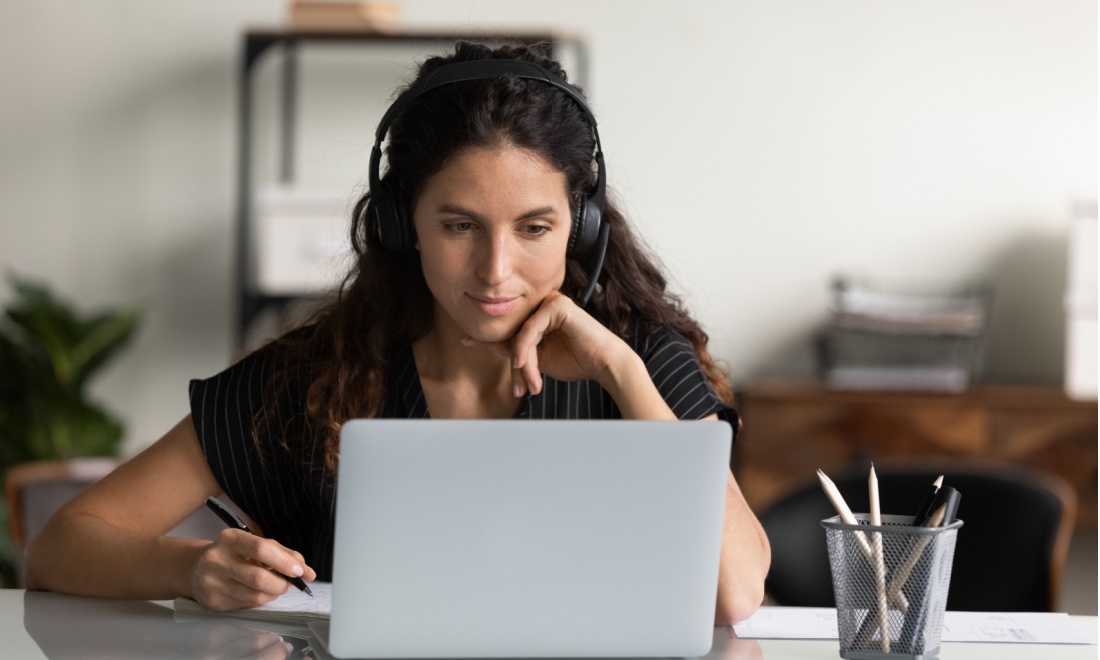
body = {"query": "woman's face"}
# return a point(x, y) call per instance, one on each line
point(492, 229)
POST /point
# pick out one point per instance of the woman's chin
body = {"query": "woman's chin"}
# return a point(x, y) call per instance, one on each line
point(499, 330)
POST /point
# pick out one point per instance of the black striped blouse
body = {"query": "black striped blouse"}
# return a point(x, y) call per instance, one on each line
point(289, 496)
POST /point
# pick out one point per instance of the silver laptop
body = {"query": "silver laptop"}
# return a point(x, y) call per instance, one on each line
point(520, 538)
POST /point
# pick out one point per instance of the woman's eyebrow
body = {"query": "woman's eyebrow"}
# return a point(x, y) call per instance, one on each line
point(458, 210)
point(542, 210)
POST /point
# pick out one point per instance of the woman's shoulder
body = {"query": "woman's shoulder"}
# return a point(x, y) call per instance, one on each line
point(654, 340)
point(290, 354)
point(271, 379)
point(678, 372)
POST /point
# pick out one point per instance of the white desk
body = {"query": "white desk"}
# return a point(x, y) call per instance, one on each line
point(44, 625)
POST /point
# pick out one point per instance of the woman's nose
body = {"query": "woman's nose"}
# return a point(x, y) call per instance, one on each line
point(496, 259)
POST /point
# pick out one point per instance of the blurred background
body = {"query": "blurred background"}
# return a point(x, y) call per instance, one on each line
point(762, 147)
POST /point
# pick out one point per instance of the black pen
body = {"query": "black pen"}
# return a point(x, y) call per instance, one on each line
point(925, 507)
point(231, 519)
point(949, 500)
point(943, 513)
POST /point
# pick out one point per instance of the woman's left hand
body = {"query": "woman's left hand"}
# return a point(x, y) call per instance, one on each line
point(561, 340)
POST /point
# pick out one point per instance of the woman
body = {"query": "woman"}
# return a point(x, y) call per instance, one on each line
point(472, 251)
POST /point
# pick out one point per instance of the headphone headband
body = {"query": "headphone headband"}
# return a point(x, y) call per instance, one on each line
point(480, 70)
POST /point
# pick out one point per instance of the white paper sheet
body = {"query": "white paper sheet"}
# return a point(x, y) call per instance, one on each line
point(293, 606)
point(299, 602)
point(1012, 627)
point(1017, 627)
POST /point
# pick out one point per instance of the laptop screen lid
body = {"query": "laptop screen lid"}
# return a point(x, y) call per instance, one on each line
point(523, 538)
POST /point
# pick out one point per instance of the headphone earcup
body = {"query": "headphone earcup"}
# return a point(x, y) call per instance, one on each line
point(577, 230)
point(391, 223)
point(586, 228)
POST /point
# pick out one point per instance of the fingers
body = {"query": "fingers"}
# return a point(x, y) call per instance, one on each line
point(519, 385)
point(223, 594)
point(272, 554)
point(250, 577)
point(243, 570)
point(526, 342)
point(528, 379)
point(529, 373)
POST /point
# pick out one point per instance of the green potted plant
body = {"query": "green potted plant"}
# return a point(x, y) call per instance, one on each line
point(48, 353)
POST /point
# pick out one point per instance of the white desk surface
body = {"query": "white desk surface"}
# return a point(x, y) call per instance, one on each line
point(45, 625)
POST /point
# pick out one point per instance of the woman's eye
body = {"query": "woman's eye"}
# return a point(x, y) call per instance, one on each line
point(460, 227)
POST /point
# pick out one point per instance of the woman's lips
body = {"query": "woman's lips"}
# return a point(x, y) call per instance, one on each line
point(494, 306)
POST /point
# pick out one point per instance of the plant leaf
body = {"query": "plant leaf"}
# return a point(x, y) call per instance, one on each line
point(48, 326)
point(47, 353)
point(101, 338)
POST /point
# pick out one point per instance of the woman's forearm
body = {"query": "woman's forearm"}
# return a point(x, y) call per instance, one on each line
point(746, 556)
point(628, 382)
point(746, 553)
point(78, 553)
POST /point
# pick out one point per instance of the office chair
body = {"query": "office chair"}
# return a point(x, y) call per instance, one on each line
point(1010, 552)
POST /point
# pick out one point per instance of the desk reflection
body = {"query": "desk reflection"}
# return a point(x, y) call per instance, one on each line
point(75, 627)
point(728, 647)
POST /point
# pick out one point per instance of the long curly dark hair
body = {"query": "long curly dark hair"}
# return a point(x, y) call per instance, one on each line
point(384, 303)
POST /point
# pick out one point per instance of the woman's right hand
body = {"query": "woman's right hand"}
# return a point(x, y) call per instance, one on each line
point(240, 570)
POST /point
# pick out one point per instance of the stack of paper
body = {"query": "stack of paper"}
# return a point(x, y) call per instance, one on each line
point(880, 340)
point(863, 309)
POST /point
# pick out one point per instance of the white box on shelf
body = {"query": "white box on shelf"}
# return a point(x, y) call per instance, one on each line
point(301, 245)
point(1080, 306)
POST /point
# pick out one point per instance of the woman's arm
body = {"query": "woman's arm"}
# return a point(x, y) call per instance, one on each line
point(746, 553)
point(110, 541)
point(565, 342)
point(746, 556)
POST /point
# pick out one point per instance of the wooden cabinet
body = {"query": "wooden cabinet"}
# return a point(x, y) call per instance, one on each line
point(793, 428)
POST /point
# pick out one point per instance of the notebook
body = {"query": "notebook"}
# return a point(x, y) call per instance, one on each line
point(523, 538)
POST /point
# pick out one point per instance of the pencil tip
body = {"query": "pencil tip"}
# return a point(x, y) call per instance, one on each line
point(938, 483)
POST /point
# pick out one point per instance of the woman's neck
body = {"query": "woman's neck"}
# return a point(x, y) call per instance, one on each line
point(463, 382)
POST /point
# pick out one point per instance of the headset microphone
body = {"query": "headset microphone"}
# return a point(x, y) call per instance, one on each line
point(605, 232)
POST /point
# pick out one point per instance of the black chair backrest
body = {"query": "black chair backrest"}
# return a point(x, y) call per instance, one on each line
point(1009, 553)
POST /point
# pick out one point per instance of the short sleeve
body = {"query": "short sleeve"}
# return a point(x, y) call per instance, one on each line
point(263, 479)
point(222, 409)
point(675, 370)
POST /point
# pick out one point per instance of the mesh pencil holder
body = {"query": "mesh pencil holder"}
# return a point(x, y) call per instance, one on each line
point(891, 584)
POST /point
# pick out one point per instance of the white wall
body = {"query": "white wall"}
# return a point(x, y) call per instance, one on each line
point(761, 147)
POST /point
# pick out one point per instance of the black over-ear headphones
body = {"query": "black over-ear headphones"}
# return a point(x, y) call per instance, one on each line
point(393, 222)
